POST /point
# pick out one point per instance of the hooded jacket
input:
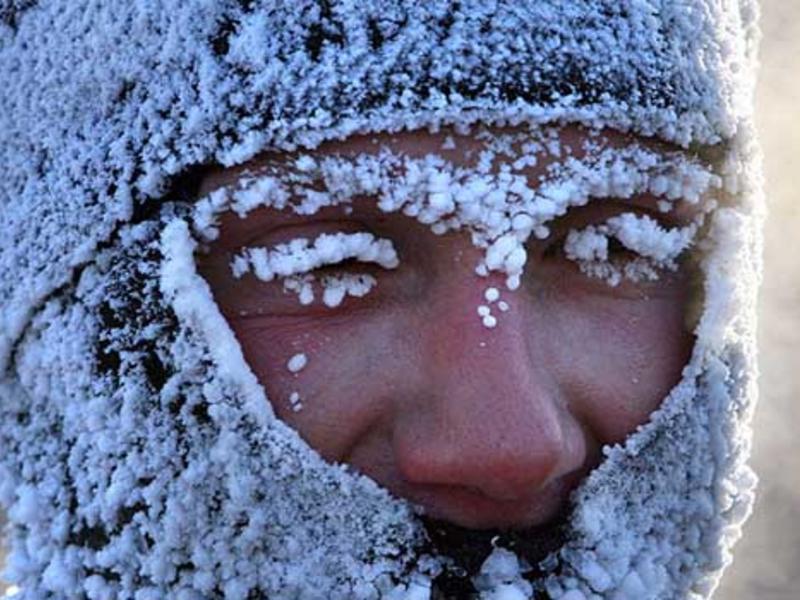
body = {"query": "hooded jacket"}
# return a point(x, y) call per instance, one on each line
point(140, 458)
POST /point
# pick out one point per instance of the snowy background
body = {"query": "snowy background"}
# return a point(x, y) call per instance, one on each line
point(767, 560)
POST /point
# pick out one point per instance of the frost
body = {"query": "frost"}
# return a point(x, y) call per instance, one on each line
point(501, 208)
point(297, 362)
point(295, 402)
point(337, 287)
point(656, 248)
point(501, 578)
point(300, 256)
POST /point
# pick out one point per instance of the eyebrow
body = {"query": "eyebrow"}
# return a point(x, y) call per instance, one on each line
point(265, 219)
point(710, 154)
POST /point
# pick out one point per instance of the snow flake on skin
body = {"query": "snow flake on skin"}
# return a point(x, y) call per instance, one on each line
point(295, 402)
point(297, 363)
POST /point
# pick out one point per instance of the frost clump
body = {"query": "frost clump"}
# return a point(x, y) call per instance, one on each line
point(300, 256)
point(295, 402)
point(295, 261)
point(501, 577)
point(297, 362)
point(656, 248)
point(336, 287)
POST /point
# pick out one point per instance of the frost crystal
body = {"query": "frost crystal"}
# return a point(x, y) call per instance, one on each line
point(300, 256)
point(297, 363)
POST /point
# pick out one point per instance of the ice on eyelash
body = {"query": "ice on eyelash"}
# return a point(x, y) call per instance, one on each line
point(301, 256)
point(335, 287)
point(295, 260)
point(657, 247)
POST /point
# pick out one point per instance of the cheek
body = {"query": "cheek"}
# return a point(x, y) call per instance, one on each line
point(346, 386)
point(619, 359)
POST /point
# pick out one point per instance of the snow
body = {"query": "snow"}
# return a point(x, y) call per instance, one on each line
point(301, 256)
point(297, 362)
point(295, 402)
point(501, 577)
point(656, 248)
point(491, 294)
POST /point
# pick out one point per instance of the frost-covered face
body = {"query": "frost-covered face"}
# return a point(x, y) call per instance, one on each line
point(479, 388)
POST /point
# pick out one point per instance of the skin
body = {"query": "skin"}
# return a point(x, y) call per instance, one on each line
point(484, 428)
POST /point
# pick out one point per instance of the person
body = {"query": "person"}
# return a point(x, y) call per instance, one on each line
point(392, 301)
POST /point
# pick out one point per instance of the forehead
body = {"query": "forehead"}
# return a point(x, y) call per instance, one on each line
point(460, 149)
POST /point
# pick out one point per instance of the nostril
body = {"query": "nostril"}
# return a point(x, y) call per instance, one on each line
point(511, 478)
point(508, 469)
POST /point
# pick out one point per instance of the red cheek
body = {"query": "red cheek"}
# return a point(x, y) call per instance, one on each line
point(622, 366)
point(348, 382)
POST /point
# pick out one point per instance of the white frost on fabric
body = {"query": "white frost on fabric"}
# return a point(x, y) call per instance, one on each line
point(501, 577)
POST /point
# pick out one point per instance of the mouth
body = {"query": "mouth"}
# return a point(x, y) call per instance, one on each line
point(473, 509)
point(464, 526)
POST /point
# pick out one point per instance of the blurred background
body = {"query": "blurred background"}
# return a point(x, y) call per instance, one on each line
point(767, 559)
point(766, 563)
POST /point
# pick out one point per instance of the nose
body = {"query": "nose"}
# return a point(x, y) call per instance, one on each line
point(488, 418)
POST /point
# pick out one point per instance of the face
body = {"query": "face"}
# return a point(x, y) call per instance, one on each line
point(480, 424)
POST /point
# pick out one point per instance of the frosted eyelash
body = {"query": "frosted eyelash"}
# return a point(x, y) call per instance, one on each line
point(657, 248)
point(294, 262)
point(300, 256)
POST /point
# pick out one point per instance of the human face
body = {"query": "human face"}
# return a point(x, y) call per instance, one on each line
point(484, 427)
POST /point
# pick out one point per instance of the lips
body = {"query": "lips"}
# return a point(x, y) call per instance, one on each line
point(469, 507)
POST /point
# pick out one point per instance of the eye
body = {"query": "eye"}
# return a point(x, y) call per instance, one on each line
point(614, 244)
point(302, 276)
point(629, 246)
point(618, 253)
